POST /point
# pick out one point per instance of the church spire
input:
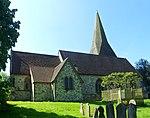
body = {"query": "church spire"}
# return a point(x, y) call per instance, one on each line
point(100, 45)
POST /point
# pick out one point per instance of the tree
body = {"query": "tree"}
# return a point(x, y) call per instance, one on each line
point(4, 88)
point(120, 80)
point(143, 67)
point(8, 31)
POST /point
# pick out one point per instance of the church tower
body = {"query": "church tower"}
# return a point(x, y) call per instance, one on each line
point(100, 45)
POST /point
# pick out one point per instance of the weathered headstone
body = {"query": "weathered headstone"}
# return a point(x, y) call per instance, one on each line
point(81, 109)
point(101, 112)
point(121, 110)
point(110, 110)
point(131, 111)
point(132, 101)
point(87, 110)
point(95, 114)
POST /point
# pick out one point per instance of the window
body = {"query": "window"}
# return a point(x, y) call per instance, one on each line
point(98, 86)
point(27, 84)
point(68, 83)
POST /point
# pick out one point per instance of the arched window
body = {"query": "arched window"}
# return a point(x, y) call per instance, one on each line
point(68, 83)
point(98, 86)
point(27, 84)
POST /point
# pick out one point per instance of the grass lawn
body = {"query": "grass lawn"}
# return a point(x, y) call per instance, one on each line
point(58, 110)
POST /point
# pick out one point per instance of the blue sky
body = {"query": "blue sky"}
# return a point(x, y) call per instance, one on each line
point(50, 25)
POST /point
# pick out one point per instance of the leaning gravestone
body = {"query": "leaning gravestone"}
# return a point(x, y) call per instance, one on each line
point(101, 111)
point(110, 110)
point(95, 114)
point(87, 110)
point(81, 109)
point(121, 110)
point(132, 109)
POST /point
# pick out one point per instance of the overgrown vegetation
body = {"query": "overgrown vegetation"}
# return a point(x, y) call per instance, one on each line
point(5, 91)
point(120, 80)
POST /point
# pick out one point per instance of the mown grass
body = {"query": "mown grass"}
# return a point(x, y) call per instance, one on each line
point(144, 111)
point(58, 109)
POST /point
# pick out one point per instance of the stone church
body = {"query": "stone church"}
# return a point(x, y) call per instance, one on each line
point(68, 76)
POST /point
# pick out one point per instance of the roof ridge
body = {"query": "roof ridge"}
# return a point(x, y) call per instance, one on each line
point(91, 54)
point(78, 52)
point(34, 53)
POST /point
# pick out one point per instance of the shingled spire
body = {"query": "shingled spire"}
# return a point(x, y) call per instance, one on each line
point(100, 45)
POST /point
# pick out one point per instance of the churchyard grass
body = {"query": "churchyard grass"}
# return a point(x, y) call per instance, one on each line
point(59, 109)
point(144, 111)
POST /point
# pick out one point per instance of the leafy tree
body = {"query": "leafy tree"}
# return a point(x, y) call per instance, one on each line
point(143, 67)
point(4, 88)
point(8, 31)
point(120, 80)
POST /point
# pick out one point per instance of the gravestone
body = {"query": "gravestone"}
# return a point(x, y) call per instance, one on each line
point(110, 110)
point(132, 101)
point(121, 110)
point(81, 109)
point(95, 114)
point(87, 110)
point(131, 111)
point(101, 112)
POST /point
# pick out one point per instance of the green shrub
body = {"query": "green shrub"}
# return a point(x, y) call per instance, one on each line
point(4, 90)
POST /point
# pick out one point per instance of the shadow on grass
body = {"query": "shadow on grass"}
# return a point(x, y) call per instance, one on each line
point(144, 105)
point(20, 112)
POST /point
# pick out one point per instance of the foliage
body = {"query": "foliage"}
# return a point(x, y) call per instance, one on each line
point(143, 67)
point(120, 80)
point(8, 31)
point(4, 88)
point(4, 76)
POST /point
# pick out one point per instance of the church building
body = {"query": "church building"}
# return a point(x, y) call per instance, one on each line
point(68, 76)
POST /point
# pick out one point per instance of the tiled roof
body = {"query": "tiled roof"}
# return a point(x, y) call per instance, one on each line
point(21, 61)
point(97, 64)
point(45, 68)
point(41, 74)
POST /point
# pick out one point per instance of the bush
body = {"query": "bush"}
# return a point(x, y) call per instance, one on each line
point(4, 89)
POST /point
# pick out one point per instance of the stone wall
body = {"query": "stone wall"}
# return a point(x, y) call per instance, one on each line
point(22, 95)
point(19, 91)
point(68, 95)
point(42, 92)
point(89, 88)
point(47, 92)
